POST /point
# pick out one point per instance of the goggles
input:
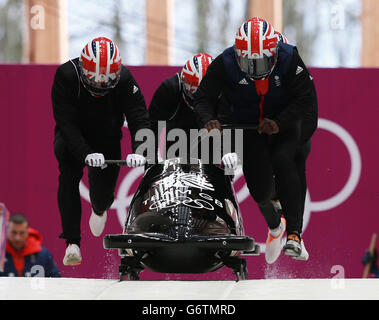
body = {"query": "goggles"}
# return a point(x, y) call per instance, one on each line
point(257, 68)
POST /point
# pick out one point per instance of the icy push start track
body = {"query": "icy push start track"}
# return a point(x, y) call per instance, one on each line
point(271, 289)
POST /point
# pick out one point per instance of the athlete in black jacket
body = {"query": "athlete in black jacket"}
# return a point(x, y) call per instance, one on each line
point(268, 86)
point(172, 103)
point(92, 96)
point(168, 105)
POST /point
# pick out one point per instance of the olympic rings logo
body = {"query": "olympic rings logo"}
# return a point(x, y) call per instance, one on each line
point(124, 196)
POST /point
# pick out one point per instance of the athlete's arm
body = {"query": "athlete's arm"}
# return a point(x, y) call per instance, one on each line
point(206, 96)
point(301, 92)
point(66, 115)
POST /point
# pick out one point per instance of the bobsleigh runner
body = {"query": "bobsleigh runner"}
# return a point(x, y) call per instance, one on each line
point(183, 218)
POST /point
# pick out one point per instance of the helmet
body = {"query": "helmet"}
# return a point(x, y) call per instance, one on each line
point(100, 66)
point(281, 37)
point(192, 73)
point(256, 48)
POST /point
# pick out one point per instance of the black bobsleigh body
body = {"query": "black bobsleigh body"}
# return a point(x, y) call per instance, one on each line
point(184, 218)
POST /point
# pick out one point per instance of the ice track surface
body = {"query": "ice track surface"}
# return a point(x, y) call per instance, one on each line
point(273, 289)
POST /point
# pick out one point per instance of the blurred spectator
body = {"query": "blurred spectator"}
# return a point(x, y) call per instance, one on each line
point(25, 255)
point(374, 270)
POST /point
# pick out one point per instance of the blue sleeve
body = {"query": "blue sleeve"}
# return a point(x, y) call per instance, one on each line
point(51, 269)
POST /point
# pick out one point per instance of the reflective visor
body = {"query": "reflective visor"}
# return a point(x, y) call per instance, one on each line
point(257, 68)
point(99, 89)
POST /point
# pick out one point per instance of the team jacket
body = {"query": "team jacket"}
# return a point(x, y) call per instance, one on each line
point(20, 263)
point(167, 104)
point(291, 93)
point(85, 121)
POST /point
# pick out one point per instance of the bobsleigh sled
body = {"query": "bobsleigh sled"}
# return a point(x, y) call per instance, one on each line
point(183, 218)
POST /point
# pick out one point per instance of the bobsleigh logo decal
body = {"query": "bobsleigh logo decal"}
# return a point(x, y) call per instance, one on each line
point(169, 202)
point(174, 190)
point(187, 180)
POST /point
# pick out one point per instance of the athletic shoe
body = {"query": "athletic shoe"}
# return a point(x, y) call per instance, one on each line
point(292, 247)
point(304, 255)
point(97, 223)
point(72, 256)
point(274, 242)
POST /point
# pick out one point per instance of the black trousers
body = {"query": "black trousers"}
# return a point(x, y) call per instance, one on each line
point(265, 157)
point(102, 183)
point(300, 160)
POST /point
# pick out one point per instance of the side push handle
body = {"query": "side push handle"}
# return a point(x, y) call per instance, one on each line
point(121, 163)
point(239, 126)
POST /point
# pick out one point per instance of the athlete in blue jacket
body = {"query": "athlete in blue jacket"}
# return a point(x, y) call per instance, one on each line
point(25, 255)
point(267, 85)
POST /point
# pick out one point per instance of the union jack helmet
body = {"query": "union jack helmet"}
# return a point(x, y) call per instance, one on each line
point(256, 48)
point(192, 73)
point(100, 66)
point(281, 37)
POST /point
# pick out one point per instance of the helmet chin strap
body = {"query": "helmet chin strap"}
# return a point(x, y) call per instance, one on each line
point(91, 93)
point(186, 101)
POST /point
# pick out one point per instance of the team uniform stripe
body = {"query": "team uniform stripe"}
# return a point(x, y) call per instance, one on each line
point(109, 57)
point(87, 51)
point(103, 57)
point(254, 32)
